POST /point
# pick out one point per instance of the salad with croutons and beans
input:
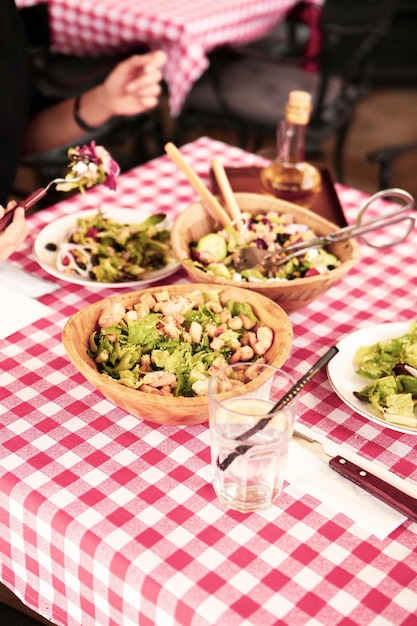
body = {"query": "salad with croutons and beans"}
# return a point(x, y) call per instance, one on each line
point(171, 345)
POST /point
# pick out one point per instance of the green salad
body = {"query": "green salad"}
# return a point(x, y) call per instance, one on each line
point(218, 253)
point(89, 165)
point(103, 250)
point(392, 366)
point(171, 345)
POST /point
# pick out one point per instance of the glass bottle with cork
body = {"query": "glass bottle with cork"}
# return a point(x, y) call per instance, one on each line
point(289, 176)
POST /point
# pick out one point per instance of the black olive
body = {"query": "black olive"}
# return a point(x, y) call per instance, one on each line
point(52, 247)
point(281, 238)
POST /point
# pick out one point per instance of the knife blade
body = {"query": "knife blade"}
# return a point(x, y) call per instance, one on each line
point(387, 493)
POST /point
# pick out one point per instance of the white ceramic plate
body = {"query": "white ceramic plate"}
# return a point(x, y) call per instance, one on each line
point(345, 381)
point(57, 232)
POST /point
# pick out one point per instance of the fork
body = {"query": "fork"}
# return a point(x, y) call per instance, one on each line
point(35, 196)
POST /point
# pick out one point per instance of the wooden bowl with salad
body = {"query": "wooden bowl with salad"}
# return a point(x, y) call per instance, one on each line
point(152, 352)
point(293, 285)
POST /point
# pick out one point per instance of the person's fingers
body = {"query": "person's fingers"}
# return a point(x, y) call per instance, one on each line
point(149, 82)
point(159, 58)
point(14, 234)
point(155, 59)
point(18, 227)
point(144, 84)
point(139, 64)
point(134, 85)
point(9, 206)
point(148, 103)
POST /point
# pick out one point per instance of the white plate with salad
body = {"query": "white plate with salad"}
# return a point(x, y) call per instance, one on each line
point(136, 250)
point(343, 374)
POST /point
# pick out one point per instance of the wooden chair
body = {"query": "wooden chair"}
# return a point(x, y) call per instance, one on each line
point(386, 157)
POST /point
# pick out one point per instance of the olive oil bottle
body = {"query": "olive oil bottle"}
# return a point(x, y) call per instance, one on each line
point(289, 176)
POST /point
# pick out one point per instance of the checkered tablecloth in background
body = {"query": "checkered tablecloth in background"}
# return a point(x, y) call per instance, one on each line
point(107, 521)
point(185, 30)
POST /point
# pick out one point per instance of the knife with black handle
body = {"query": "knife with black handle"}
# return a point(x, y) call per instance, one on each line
point(390, 495)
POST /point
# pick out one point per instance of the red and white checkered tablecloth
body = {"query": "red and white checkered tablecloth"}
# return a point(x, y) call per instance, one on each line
point(107, 521)
point(185, 30)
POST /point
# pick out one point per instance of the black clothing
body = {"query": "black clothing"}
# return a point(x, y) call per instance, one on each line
point(16, 94)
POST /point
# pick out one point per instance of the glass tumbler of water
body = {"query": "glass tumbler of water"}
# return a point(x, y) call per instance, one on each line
point(249, 436)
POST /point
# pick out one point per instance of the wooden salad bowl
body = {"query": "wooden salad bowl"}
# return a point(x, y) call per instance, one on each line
point(167, 410)
point(195, 222)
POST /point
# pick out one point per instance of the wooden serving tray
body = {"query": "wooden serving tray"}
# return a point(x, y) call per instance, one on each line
point(324, 202)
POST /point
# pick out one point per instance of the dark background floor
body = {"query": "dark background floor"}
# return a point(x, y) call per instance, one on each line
point(12, 617)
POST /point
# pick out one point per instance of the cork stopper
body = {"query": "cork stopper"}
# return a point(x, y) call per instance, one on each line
point(298, 107)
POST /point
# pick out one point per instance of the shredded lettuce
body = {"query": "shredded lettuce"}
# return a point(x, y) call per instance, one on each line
point(392, 395)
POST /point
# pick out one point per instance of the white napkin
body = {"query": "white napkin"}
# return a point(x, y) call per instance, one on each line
point(19, 280)
point(18, 311)
point(310, 475)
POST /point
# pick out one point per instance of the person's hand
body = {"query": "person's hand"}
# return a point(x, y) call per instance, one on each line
point(134, 86)
point(131, 88)
point(14, 234)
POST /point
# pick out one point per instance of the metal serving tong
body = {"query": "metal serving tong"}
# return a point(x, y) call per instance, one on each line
point(250, 257)
point(37, 195)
